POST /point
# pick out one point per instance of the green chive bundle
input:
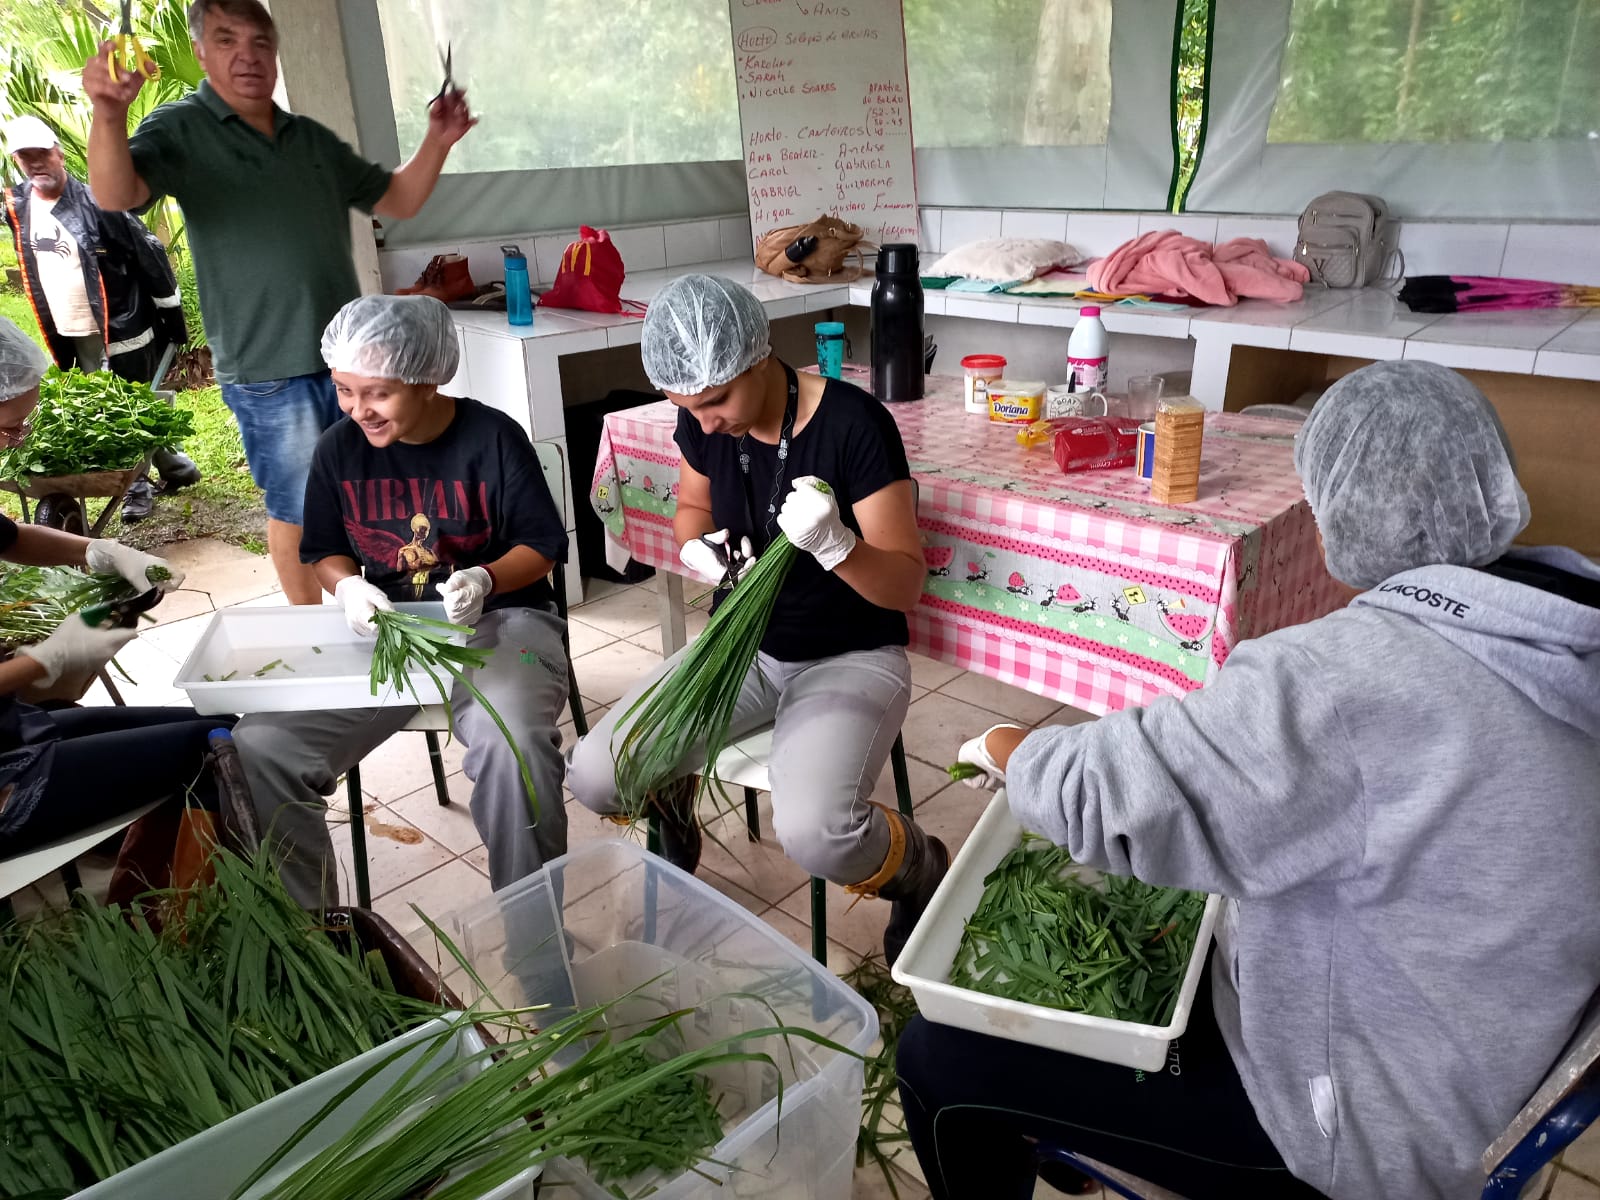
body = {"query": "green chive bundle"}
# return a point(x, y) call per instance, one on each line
point(35, 600)
point(694, 705)
point(1041, 935)
point(120, 1041)
point(668, 1129)
point(406, 640)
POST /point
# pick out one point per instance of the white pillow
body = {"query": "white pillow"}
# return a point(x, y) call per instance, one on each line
point(1006, 260)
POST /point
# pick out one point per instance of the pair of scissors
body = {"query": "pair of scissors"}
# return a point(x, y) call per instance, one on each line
point(120, 614)
point(127, 50)
point(731, 558)
point(448, 87)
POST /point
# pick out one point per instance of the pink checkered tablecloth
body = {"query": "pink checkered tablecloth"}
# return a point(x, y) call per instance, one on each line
point(1075, 586)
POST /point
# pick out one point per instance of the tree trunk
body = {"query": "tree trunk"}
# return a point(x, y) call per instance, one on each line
point(1069, 99)
point(1408, 67)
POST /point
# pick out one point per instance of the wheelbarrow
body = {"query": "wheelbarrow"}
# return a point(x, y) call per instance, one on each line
point(59, 499)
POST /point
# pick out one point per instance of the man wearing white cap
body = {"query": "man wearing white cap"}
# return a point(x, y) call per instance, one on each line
point(99, 282)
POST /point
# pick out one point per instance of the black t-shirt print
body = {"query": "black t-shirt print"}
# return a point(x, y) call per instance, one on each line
point(851, 443)
point(412, 515)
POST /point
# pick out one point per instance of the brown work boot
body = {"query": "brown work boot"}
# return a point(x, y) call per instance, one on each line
point(681, 839)
point(445, 278)
point(908, 878)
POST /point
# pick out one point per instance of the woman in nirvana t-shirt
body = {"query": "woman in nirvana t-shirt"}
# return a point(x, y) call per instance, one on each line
point(832, 677)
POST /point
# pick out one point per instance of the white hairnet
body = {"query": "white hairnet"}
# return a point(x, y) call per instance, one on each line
point(22, 363)
point(699, 332)
point(409, 338)
point(1406, 465)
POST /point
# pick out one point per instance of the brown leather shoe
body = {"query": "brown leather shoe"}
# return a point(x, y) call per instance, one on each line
point(445, 278)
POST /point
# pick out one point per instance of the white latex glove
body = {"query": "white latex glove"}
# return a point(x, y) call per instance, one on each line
point(976, 752)
point(463, 594)
point(113, 558)
point(361, 600)
point(76, 649)
point(706, 564)
point(810, 518)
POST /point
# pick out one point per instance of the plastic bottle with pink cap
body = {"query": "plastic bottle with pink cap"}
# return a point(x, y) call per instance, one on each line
point(1088, 352)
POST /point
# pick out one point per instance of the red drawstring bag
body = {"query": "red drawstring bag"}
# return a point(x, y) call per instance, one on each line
point(590, 277)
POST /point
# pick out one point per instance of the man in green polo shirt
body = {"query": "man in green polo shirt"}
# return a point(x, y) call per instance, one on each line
point(266, 197)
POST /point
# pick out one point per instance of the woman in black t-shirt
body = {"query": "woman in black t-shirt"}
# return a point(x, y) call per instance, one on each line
point(832, 676)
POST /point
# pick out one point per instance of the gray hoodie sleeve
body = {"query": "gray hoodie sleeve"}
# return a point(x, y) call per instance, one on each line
point(1248, 787)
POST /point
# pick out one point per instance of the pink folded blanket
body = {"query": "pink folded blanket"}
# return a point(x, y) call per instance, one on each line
point(1166, 262)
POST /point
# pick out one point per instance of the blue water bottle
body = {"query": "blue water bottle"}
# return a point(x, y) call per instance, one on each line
point(519, 292)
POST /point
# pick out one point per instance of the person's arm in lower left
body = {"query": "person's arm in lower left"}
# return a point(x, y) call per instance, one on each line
point(18, 672)
point(41, 546)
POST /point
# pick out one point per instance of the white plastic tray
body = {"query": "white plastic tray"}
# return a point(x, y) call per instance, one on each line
point(212, 1165)
point(326, 664)
point(924, 967)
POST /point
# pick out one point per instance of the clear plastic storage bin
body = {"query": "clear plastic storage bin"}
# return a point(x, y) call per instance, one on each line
point(610, 919)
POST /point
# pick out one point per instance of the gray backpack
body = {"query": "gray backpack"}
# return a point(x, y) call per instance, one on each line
point(1348, 240)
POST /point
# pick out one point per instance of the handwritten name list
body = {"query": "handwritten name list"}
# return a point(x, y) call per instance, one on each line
point(825, 114)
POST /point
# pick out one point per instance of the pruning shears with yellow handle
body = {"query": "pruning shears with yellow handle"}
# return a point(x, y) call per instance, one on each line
point(128, 51)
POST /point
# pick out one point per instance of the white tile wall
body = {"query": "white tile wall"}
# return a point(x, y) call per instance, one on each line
point(547, 252)
point(1558, 253)
point(690, 242)
point(735, 237)
point(959, 226)
point(1452, 247)
point(1031, 224)
point(1279, 233)
point(932, 225)
point(1095, 235)
point(400, 268)
point(486, 262)
point(642, 249)
point(1204, 228)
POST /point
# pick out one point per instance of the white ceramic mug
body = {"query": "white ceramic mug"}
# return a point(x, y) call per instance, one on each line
point(1059, 402)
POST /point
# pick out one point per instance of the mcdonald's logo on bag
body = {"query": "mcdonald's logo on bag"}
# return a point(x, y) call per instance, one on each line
point(569, 260)
point(596, 286)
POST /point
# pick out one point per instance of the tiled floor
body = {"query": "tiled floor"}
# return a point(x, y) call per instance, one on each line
point(422, 854)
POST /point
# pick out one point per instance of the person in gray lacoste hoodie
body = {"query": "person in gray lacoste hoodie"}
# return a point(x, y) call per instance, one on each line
point(1400, 803)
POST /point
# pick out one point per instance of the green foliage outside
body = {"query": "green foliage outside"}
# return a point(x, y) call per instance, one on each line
point(1009, 72)
point(1190, 94)
point(569, 83)
point(1440, 71)
point(43, 46)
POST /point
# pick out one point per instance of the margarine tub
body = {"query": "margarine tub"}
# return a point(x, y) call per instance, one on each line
point(1016, 402)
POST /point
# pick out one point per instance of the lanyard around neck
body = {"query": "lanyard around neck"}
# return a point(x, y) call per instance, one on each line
point(791, 411)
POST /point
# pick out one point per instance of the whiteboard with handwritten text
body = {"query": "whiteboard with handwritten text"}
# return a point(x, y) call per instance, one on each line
point(825, 114)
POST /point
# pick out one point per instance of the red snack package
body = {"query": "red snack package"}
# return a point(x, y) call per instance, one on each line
point(1095, 443)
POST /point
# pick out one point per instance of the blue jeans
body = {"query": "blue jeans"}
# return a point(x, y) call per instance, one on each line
point(280, 421)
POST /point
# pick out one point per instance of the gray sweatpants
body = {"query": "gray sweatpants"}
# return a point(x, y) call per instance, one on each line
point(292, 760)
point(834, 721)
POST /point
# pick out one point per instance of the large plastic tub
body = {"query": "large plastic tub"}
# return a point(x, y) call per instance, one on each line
point(924, 967)
point(212, 1165)
point(609, 919)
point(325, 664)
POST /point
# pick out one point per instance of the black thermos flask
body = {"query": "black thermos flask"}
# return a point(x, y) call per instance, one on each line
point(897, 348)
